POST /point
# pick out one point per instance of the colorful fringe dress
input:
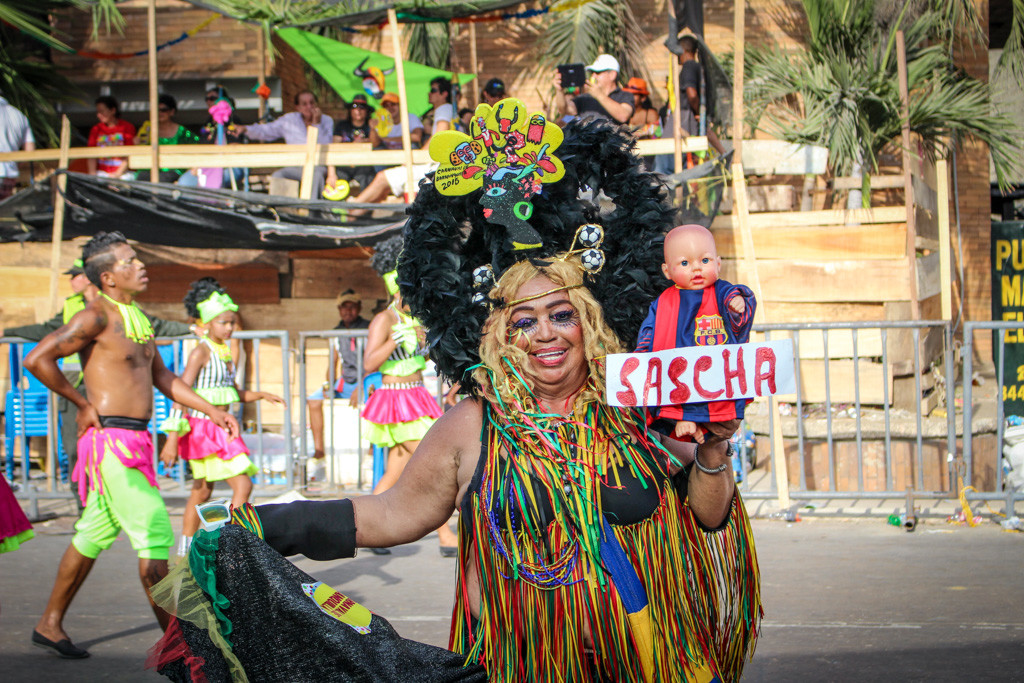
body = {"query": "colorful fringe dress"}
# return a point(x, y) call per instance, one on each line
point(397, 413)
point(15, 528)
point(591, 565)
point(207, 448)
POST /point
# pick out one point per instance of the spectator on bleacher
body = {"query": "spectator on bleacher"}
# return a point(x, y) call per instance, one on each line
point(465, 116)
point(601, 96)
point(644, 122)
point(386, 126)
point(208, 136)
point(232, 131)
point(111, 131)
point(691, 88)
point(355, 129)
point(292, 129)
point(169, 132)
point(15, 135)
point(393, 180)
point(493, 91)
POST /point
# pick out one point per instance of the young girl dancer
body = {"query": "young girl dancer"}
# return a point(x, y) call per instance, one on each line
point(210, 371)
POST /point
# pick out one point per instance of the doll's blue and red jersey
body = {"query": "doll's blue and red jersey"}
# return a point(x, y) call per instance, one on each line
point(682, 318)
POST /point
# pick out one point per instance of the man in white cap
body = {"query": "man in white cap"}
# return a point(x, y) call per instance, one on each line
point(601, 97)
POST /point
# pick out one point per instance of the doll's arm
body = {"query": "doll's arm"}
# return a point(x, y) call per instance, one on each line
point(740, 321)
point(645, 339)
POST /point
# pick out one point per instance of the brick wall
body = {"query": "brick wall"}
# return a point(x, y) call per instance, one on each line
point(975, 207)
point(224, 49)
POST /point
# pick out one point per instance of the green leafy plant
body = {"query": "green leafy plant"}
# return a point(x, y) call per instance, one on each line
point(28, 79)
point(587, 30)
point(841, 90)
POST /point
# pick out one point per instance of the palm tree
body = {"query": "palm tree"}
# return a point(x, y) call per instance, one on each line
point(589, 29)
point(841, 92)
point(28, 79)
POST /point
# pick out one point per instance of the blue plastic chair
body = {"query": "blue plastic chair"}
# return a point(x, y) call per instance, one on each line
point(161, 404)
point(380, 454)
point(28, 419)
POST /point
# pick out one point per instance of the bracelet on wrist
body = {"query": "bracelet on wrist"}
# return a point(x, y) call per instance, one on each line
point(712, 470)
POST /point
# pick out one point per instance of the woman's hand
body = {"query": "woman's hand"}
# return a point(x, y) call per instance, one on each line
point(273, 398)
point(169, 453)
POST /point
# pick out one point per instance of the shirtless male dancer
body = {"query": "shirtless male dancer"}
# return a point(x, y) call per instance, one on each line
point(121, 366)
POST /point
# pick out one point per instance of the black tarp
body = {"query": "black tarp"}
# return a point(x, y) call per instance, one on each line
point(175, 216)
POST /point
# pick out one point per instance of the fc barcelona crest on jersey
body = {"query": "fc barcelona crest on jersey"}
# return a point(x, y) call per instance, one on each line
point(709, 330)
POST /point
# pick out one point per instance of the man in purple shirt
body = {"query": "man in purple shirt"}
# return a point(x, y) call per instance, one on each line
point(292, 128)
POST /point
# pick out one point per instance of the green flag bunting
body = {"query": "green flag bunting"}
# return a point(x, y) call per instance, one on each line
point(343, 67)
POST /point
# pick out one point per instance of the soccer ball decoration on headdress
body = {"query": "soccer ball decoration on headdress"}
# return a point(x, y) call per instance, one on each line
point(510, 154)
point(452, 239)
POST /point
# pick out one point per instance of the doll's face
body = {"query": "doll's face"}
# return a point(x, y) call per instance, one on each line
point(691, 259)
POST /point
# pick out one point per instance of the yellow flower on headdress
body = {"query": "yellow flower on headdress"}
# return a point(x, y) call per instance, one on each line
point(504, 136)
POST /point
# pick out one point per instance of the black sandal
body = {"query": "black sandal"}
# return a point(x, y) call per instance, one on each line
point(62, 648)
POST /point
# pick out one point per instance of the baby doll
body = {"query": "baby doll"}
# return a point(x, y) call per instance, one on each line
point(698, 310)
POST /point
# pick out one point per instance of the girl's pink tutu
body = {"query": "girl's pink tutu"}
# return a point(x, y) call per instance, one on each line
point(405, 403)
point(14, 525)
point(205, 439)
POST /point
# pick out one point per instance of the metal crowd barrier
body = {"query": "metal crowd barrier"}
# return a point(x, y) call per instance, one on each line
point(51, 486)
point(330, 440)
point(1009, 495)
point(332, 379)
point(881, 337)
point(818, 335)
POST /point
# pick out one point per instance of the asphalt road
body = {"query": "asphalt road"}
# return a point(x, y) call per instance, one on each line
point(844, 601)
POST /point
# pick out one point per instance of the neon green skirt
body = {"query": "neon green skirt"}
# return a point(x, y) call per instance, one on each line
point(390, 435)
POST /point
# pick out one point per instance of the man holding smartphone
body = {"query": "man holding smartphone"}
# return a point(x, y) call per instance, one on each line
point(601, 97)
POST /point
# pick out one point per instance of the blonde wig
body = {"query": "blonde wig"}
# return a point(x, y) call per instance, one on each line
point(501, 374)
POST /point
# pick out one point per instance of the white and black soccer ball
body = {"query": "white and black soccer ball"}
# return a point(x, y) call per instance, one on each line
point(480, 299)
point(593, 260)
point(590, 235)
point(483, 277)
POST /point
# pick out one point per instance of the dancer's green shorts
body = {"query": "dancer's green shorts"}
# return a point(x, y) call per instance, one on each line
point(128, 502)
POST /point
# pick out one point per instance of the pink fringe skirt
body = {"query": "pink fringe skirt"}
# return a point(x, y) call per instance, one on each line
point(405, 403)
point(205, 439)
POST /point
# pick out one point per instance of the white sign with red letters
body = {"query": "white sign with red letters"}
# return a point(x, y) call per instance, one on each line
point(697, 374)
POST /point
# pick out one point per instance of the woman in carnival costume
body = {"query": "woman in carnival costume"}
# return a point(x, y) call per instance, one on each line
point(15, 528)
point(210, 371)
point(401, 411)
point(590, 549)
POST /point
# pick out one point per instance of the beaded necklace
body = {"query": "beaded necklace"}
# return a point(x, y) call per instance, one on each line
point(571, 457)
point(136, 325)
point(221, 349)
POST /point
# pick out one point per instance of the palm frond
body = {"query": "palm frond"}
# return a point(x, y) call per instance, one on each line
point(1012, 59)
point(840, 90)
point(428, 43)
point(580, 34)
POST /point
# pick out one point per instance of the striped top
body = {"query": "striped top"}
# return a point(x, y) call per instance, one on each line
point(216, 380)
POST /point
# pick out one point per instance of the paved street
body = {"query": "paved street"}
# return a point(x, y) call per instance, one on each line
point(844, 601)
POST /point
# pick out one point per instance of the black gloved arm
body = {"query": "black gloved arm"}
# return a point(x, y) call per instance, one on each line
point(320, 530)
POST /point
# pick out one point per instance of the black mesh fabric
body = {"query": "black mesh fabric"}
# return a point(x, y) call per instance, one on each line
point(279, 634)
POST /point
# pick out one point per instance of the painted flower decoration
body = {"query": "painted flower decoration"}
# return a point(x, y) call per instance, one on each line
point(501, 137)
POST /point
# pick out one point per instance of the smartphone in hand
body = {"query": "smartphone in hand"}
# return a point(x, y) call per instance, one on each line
point(573, 75)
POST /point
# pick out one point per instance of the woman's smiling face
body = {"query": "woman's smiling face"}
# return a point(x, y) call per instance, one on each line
point(549, 330)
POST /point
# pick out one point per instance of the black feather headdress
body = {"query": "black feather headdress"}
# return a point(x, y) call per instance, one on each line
point(446, 238)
